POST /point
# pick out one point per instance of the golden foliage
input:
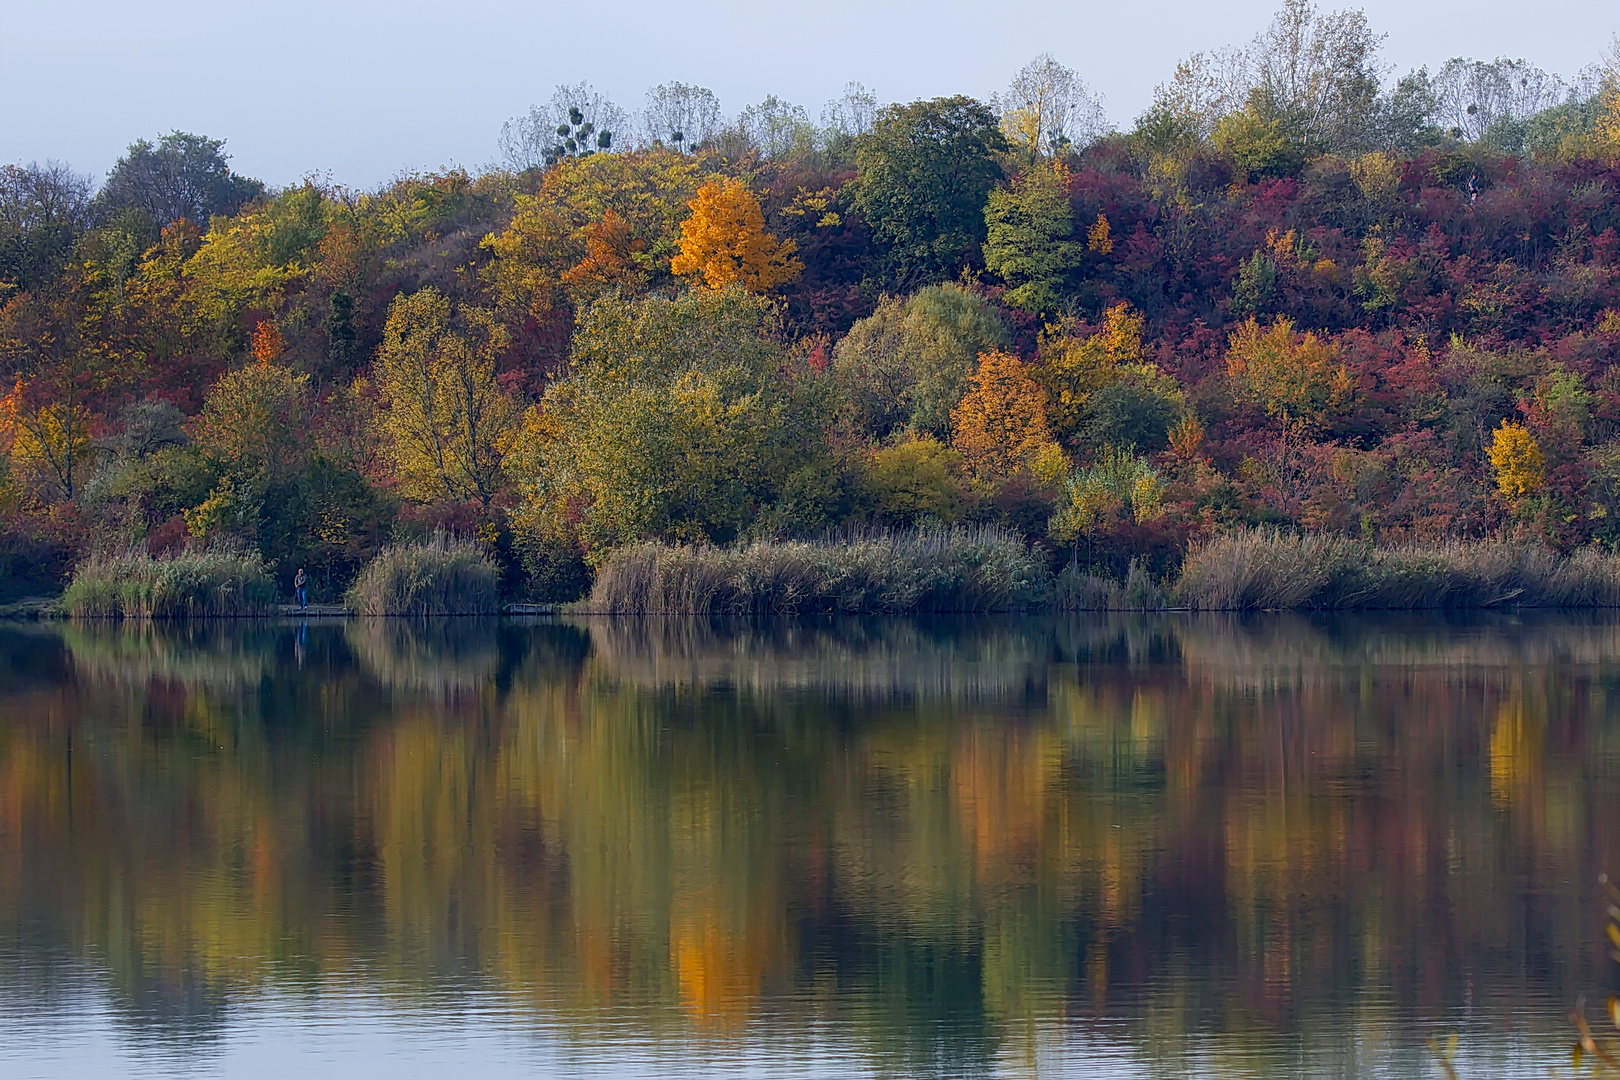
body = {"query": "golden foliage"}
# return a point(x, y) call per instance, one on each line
point(267, 342)
point(1099, 237)
point(917, 479)
point(1516, 460)
point(1377, 175)
point(1072, 369)
point(445, 419)
point(1301, 381)
point(1000, 425)
point(1116, 486)
point(1187, 439)
point(596, 222)
point(46, 447)
point(725, 242)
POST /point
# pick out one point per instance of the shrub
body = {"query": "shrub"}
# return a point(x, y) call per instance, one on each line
point(191, 584)
point(923, 570)
point(915, 479)
point(441, 576)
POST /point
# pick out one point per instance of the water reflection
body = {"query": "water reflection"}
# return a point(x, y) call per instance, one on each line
point(1266, 846)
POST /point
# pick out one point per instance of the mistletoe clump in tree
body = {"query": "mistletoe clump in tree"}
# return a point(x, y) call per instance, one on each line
point(575, 138)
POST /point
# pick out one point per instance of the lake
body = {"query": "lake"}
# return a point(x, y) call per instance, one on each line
point(1164, 845)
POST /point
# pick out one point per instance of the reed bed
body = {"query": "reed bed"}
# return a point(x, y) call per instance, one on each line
point(188, 585)
point(439, 576)
point(962, 569)
point(1270, 569)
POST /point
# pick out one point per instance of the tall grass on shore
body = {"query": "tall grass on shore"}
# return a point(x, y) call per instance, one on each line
point(926, 570)
point(1269, 568)
point(191, 584)
point(439, 576)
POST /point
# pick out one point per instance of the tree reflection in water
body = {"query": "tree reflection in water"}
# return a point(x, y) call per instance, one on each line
point(962, 845)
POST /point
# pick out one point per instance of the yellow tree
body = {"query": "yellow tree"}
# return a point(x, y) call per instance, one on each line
point(916, 479)
point(599, 222)
point(45, 419)
point(1072, 369)
point(725, 242)
point(1300, 381)
point(1000, 426)
point(255, 419)
point(254, 428)
point(1607, 135)
point(1516, 460)
point(446, 421)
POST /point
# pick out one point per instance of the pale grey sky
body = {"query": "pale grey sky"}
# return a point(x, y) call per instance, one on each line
point(362, 90)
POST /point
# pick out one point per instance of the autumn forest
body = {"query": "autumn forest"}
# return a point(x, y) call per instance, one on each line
point(1301, 291)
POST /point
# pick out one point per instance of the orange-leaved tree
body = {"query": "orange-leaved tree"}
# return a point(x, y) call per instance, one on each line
point(268, 344)
point(724, 241)
point(1000, 425)
point(611, 247)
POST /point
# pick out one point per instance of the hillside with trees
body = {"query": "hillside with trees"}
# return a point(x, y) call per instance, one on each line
point(1297, 291)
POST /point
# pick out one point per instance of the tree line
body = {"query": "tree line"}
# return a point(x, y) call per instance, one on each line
point(1294, 292)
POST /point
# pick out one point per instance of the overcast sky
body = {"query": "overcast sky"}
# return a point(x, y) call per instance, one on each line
point(362, 90)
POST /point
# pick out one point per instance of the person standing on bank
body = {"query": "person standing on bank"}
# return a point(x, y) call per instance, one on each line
point(300, 583)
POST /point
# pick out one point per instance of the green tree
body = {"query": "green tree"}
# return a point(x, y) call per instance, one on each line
point(675, 424)
point(181, 176)
point(925, 170)
point(1134, 413)
point(253, 433)
point(908, 363)
point(1029, 239)
point(255, 421)
point(1258, 141)
point(44, 209)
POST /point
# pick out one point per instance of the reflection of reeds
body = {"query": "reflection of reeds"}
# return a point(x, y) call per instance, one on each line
point(436, 657)
point(441, 576)
point(849, 658)
point(188, 584)
point(945, 659)
point(961, 569)
point(1289, 650)
point(195, 656)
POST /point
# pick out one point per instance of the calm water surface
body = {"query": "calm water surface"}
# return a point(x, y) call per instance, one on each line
point(1131, 846)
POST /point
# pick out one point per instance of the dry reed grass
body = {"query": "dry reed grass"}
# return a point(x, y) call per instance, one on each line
point(192, 584)
point(439, 576)
point(925, 570)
